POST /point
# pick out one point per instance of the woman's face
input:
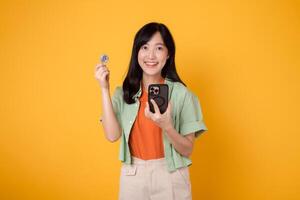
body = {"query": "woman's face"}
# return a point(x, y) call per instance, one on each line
point(153, 55)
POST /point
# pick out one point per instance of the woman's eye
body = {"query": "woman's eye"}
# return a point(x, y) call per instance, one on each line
point(160, 48)
point(144, 47)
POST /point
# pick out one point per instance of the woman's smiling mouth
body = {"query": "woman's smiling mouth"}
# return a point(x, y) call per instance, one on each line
point(151, 64)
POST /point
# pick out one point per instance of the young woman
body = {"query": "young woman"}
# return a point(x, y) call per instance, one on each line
point(154, 147)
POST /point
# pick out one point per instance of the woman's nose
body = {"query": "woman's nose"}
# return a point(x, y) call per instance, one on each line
point(151, 54)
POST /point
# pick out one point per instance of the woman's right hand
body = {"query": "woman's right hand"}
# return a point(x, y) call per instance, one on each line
point(102, 75)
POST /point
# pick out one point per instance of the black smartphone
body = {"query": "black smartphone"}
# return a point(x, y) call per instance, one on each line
point(159, 93)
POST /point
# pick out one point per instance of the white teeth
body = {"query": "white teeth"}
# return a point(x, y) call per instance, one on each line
point(150, 63)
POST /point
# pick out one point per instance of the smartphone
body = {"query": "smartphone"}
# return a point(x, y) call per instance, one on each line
point(159, 93)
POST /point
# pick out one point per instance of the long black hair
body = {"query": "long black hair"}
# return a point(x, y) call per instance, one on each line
point(131, 83)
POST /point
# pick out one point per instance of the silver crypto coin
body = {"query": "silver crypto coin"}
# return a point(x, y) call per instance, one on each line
point(104, 58)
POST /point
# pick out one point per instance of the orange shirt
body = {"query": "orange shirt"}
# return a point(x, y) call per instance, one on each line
point(145, 140)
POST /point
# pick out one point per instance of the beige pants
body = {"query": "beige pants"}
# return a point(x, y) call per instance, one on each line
point(151, 180)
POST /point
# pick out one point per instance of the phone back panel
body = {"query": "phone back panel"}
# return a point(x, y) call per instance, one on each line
point(159, 93)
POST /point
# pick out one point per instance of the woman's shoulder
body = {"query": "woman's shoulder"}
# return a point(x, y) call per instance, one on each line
point(181, 90)
point(118, 92)
point(119, 88)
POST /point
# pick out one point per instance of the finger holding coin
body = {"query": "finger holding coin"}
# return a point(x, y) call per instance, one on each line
point(102, 72)
point(101, 67)
point(98, 66)
point(103, 61)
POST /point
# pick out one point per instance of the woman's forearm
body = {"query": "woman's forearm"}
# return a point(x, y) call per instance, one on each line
point(183, 145)
point(110, 123)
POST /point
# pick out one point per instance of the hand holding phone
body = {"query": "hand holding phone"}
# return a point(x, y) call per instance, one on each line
point(159, 93)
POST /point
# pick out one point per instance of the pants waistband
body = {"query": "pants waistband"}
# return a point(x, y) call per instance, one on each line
point(138, 161)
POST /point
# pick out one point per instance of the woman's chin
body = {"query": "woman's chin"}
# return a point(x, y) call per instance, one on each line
point(152, 73)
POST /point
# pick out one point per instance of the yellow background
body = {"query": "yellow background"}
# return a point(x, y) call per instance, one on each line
point(240, 57)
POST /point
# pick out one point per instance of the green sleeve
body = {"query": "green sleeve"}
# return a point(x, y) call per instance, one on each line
point(117, 103)
point(191, 118)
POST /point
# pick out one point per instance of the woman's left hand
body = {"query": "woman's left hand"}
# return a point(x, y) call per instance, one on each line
point(164, 120)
